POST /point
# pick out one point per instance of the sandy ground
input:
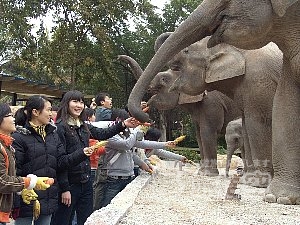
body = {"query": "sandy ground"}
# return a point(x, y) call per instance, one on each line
point(183, 197)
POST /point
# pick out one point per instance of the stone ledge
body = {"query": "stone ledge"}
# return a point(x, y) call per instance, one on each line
point(119, 206)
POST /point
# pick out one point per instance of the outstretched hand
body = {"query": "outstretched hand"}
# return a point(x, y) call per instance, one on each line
point(43, 183)
point(171, 144)
point(131, 122)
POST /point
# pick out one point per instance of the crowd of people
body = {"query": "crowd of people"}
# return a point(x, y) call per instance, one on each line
point(47, 158)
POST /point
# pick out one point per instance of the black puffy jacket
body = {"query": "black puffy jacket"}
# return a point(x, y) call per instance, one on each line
point(41, 158)
point(75, 139)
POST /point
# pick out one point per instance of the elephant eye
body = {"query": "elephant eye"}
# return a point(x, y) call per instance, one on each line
point(186, 51)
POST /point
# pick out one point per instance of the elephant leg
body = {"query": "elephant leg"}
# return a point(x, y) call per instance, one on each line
point(248, 163)
point(209, 139)
point(285, 186)
point(230, 150)
point(199, 141)
point(260, 139)
point(242, 155)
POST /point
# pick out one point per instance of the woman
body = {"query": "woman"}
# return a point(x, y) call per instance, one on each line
point(39, 151)
point(77, 191)
point(9, 182)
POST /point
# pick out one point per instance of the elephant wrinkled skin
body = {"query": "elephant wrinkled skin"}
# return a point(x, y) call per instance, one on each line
point(249, 24)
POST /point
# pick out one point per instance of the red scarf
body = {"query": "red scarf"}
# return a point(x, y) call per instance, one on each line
point(6, 139)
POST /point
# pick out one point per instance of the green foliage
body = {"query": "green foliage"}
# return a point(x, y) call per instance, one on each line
point(221, 150)
point(190, 153)
point(177, 11)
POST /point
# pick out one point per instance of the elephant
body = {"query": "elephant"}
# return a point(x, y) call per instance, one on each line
point(210, 112)
point(250, 78)
point(249, 24)
point(234, 140)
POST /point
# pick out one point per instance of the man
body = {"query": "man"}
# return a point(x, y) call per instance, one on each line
point(104, 105)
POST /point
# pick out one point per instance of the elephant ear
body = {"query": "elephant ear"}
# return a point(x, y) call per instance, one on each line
point(225, 62)
point(186, 99)
point(280, 6)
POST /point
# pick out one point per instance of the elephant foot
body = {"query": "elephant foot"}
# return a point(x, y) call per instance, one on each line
point(210, 172)
point(283, 192)
point(256, 178)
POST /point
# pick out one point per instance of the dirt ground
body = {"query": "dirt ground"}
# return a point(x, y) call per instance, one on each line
point(183, 197)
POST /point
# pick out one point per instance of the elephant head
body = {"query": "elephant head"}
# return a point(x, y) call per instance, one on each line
point(201, 68)
point(246, 24)
point(162, 99)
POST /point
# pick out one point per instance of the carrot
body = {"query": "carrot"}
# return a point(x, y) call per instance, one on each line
point(179, 139)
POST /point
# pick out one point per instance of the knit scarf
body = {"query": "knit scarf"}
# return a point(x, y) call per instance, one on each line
point(39, 129)
point(74, 121)
point(6, 139)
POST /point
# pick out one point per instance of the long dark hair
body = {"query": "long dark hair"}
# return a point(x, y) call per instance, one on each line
point(25, 113)
point(63, 111)
point(4, 110)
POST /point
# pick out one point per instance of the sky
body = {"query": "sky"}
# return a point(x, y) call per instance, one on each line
point(49, 23)
point(159, 3)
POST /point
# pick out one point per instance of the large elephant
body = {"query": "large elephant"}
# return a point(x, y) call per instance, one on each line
point(249, 24)
point(250, 78)
point(210, 112)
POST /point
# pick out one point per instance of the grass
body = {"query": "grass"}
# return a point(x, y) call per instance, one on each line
point(194, 153)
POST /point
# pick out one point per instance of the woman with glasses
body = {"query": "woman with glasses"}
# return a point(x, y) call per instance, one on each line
point(9, 182)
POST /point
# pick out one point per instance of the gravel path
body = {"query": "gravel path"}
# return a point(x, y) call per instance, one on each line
point(176, 197)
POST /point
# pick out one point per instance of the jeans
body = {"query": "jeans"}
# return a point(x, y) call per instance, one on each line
point(42, 220)
point(136, 171)
point(114, 186)
point(2, 223)
point(99, 188)
point(81, 202)
point(74, 218)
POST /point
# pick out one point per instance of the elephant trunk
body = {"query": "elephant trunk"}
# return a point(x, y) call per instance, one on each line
point(134, 66)
point(199, 24)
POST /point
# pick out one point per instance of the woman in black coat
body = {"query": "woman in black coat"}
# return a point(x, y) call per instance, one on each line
point(76, 189)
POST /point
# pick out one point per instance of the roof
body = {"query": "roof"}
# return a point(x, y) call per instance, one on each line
point(21, 86)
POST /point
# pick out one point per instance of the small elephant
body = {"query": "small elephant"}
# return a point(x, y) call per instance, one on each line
point(210, 112)
point(249, 24)
point(234, 140)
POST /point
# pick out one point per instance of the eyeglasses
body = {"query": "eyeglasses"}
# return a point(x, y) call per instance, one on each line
point(8, 115)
